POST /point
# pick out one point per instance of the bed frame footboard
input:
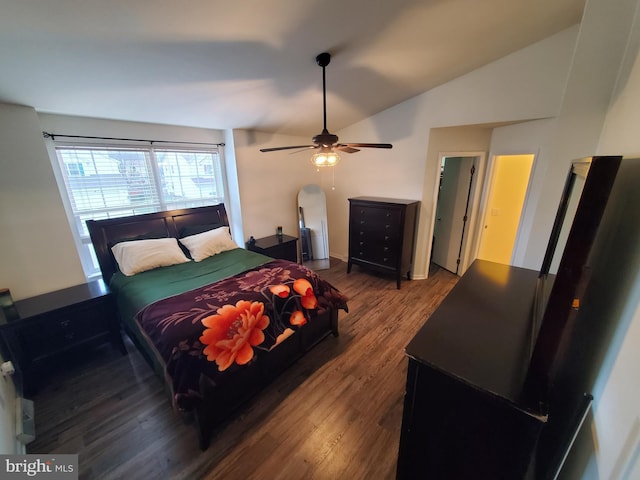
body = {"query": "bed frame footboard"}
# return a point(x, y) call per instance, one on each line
point(218, 403)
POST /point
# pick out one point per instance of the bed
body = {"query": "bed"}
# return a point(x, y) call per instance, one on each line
point(215, 327)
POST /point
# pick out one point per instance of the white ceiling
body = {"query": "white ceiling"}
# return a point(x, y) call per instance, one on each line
point(251, 63)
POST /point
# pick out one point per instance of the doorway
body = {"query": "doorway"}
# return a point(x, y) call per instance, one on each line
point(455, 205)
point(505, 199)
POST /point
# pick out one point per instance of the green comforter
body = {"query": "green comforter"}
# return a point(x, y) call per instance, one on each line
point(136, 292)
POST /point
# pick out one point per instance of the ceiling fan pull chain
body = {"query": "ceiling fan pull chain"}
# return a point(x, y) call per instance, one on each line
point(333, 179)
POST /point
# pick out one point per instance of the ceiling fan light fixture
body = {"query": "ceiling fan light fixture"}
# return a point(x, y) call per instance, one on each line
point(325, 159)
point(325, 142)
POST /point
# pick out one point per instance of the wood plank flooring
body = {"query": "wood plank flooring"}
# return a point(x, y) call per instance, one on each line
point(335, 414)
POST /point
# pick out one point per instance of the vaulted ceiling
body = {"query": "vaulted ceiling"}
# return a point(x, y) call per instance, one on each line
point(251, 63)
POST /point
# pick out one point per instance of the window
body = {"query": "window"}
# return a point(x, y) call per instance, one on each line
point(106, 182)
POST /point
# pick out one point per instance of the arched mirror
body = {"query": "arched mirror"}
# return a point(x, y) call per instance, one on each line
point(314, 235)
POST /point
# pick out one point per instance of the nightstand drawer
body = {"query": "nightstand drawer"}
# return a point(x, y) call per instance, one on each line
point(59, 322)
point(46, 335)
point(286, 252)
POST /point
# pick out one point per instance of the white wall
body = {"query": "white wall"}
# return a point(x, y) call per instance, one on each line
point(453, 141)
point(526, 85)
point(529, 137)
point(269, 182)
point(615, 428)
point(568, 79)
point(37, 252)
point(8, 442)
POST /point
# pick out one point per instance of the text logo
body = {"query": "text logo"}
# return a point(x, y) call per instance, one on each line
point(52, 467)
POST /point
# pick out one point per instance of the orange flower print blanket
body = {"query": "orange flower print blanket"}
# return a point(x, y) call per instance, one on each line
point(220, 327)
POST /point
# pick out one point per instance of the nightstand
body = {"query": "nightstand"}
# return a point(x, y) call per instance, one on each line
point(58, 322)
point(276, 246)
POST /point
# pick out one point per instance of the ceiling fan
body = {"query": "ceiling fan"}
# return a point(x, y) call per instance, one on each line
point(326, 143)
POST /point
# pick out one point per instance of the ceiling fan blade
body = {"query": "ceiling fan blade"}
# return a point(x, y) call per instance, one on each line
point(305, 149)
point(367, 145)
point(275, 149)
point(346, 148)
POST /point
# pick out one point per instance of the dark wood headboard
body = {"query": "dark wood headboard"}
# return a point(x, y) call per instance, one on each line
point(173, 223)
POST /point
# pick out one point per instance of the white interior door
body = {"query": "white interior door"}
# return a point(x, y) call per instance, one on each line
point(455, 180)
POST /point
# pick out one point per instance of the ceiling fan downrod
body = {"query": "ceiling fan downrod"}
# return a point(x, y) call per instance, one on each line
point(323, 60)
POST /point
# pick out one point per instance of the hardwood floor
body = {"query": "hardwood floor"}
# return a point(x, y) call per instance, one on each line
point(336, 413)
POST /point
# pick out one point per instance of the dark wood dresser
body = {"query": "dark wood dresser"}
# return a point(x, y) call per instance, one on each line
point(464, 414)
point(57, 322)
point(499, 377)
point(381, 234)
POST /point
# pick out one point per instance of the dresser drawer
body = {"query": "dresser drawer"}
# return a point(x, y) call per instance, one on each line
point(376, 254)
point(378, 247)
point(372, 217)
point(387, 235)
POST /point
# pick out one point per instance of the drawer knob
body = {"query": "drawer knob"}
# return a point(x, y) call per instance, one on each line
point(65, 323)
point(361, 222)
point(361, 244)
point(386, 249)
point(386, 237)
point(69, 336)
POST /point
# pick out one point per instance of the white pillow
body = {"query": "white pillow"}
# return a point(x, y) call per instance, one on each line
point(141, 255)
point(209, 243)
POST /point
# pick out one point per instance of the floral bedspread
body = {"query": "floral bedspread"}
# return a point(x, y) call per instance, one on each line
point(219, 328)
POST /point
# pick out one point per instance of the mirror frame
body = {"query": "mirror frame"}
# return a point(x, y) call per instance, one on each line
point(566, 288)
point(317, 263)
